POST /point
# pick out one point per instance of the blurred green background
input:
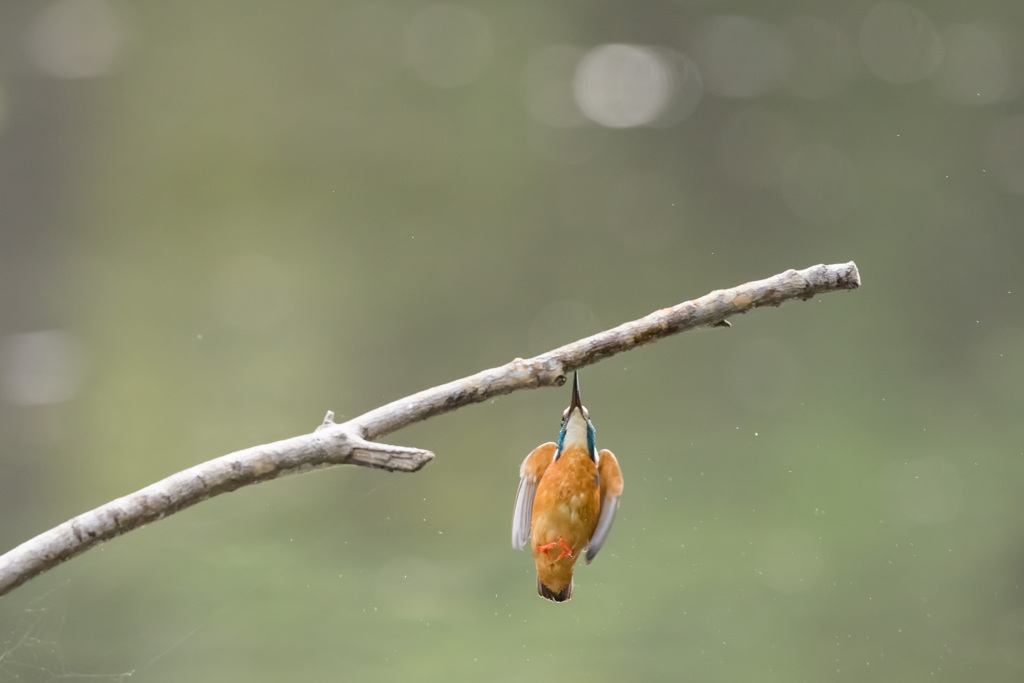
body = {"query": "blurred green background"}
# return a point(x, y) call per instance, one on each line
point(220, 220)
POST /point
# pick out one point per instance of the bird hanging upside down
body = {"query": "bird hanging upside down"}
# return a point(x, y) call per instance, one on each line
point(566, 502)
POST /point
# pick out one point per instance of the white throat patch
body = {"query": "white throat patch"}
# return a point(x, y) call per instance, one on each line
point(575, 431)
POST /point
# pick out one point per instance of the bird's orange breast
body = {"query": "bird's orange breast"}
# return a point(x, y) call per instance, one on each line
point(566, 507)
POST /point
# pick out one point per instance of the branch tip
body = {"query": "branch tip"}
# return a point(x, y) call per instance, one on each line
point(388, 456)
point(328, 421)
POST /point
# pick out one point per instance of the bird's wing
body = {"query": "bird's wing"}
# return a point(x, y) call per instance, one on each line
point(530, 473)
point(611, 488)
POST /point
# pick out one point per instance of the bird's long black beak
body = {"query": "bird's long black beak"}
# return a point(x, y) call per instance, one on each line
point(575, 402)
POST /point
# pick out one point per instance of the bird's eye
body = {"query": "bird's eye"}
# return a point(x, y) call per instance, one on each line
point(586, 414)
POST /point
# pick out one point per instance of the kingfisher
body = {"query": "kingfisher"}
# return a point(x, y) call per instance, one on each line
point(566, 502)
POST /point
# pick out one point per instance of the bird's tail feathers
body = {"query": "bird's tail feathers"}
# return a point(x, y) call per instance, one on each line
point(551, 595)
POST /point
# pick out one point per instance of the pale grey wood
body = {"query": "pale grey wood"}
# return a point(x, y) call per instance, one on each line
point(354, 442)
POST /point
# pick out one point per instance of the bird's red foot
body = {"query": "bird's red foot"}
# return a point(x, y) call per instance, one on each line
point(560, 543)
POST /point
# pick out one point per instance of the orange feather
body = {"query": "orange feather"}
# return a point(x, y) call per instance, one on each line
point(566, 501)
point(566, 507)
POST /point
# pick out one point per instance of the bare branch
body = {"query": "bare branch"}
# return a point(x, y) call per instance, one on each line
point(354, 442)
point(551, 368)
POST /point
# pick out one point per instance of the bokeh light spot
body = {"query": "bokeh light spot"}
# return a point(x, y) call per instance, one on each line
point(76, 39)
point(686, 88)
point(741, 57)
point(822, 185)
point(38, 368)
point(450, 46)
point(622, 86)
point(899, 44)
